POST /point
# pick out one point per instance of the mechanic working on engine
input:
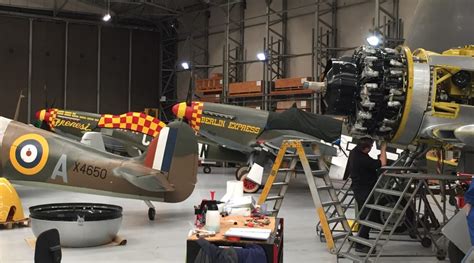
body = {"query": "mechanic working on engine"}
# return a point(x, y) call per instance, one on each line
point(363, 171)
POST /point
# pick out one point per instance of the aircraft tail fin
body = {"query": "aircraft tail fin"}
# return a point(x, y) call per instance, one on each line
point(161, 149)
point(175, 152)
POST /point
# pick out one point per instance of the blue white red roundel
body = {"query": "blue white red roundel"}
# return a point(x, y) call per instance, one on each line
point(29, 154)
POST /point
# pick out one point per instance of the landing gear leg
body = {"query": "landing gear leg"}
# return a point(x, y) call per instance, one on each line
point(151, 210)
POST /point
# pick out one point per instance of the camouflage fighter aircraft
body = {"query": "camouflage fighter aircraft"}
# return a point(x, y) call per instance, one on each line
point(165, 173)
point(128, 134)
point(253, 132)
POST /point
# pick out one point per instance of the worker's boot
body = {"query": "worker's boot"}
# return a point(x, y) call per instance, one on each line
point(364, 249)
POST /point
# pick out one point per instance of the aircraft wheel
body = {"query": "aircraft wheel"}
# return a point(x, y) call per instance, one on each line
point(426, 242)
point(207, 169)
point(249, 186)
point(454, 253)
point(240, 171)
point(441, 255)
point(151, 214)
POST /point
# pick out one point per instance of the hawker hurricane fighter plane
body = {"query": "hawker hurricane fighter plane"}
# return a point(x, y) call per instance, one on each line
point(165, 173)
point(252, 132)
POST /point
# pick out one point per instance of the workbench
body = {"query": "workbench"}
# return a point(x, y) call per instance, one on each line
point(273, 246)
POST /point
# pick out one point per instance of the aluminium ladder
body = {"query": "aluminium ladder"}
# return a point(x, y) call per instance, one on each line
point(346, 197)
point(322, 191)
point(402, 188)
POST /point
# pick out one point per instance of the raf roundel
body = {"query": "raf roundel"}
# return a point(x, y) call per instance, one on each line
point(29, 154)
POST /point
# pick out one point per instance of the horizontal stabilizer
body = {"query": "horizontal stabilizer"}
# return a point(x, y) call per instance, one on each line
point(144, 178)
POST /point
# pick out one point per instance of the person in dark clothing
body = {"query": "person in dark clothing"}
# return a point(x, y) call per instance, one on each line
point(469, 199)
point(363, 171)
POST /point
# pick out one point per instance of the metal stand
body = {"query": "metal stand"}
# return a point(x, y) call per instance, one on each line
point(401, 189)
point(320, 185)
point(275, 48)
point(391, 29)
point(233, 65)
point(169, 55)
point(324, 43)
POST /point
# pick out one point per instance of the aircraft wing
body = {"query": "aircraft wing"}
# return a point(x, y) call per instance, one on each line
point(204, 140)
point(229, 144)
point(144, 178)
point(274, 138)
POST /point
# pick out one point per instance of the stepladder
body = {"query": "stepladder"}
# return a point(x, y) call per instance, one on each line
point(347, 200)
point(292, 158)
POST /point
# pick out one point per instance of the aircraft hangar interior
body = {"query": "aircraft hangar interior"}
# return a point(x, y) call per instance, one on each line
point(245, 131)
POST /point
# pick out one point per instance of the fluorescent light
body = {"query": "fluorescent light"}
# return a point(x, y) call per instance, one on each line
point(106, 17)
point(261, 56)
point(373, 40)
point(185, 65)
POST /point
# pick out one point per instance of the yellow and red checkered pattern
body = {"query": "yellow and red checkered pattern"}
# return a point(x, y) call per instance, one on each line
point(197, 114)
point(134, 121)
point(51, 118)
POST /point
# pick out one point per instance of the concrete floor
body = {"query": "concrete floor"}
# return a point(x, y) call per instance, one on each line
point(164, 240)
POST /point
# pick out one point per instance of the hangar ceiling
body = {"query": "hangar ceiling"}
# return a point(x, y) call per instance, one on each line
point(135, 12)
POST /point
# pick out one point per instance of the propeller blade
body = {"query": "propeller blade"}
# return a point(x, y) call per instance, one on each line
point(52, 104)
point(17, 111)
point(45, 91)
point(189, 97)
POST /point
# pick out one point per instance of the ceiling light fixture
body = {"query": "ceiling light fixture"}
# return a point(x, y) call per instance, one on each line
point(185, 65)
point(261, 56)
point(374, 40)
point(107, 16)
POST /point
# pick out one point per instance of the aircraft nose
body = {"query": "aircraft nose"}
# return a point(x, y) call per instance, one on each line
point(40, 115)
point(182, 111)
point(43, 115)
point(175, 109)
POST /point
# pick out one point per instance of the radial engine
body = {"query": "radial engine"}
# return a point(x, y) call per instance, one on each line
point(402, 96)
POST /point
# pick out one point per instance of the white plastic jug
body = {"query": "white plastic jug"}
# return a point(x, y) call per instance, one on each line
point(213, 220)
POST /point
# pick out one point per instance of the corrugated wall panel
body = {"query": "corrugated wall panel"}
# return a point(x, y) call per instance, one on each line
point(14, 38)
point(48, 65)
point(145, 70)
point(114, 70)
point(82, 68)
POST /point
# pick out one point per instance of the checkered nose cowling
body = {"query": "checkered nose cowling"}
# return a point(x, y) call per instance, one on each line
point(196, 115)
point(133, 121)
point(192, 113)
point(48, 116)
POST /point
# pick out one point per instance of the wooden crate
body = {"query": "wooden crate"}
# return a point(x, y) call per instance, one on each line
point(15, 224)
point(248, 87)
point(254, 105)
point(209, 98)
point(291, 83)
point(206, 86)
